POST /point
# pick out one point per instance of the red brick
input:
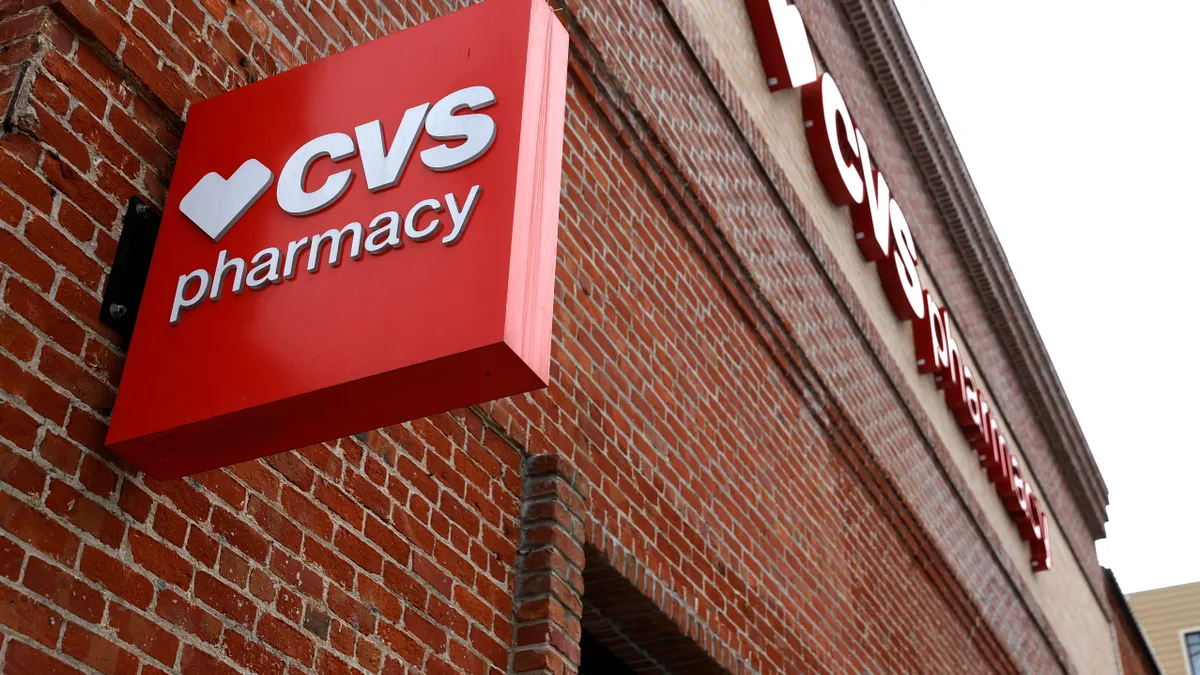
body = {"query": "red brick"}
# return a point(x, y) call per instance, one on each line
point(296, 575)
point(50, 95)
point(24, 183)
point(76, 379)
point(403, 644)
point(301, 508)
point(185, 498)
point(25, 660)
point(292, 468)
point(385, 538)
point(161, 37)
point(240, 535)
point(166, 83)
point(322, 460)
point(134, 501)
point(29, 617)
point(44, 400)
point(116, 577)
point(44, 316)
point(37, 530)
point(159, 559)
point(381, 598)
point(103, 75)
point(353, 547)
point(258, 477)
point(261, 585)
point(336, 569)
point(20, 472)
point(79, 189)
point(16, 338)
point(368, 495)
point(17, 426)
point(97, 652)
point(11, 210)
point(328, 663)
point(353, 612)
point(60, 141)
point(188, 616)
point(197, 662)
point(63, 590)
point(110, 181)
point(425, 631)
point(85, 513)
point(340, 503)
point(224, 598)
point(134, 629)
point(86, 430)
point(276, 525)
point(289, 605)
point(11, 559)
point(228, 490)
point(60, 452)
point(84, 306)
point(342, 637)
point(22, 259)
point(402, 581)
point(285, 638)
point(251, 655)
point(447, 617)
point(93, 132)
point(162, 125)
point(76, 82)
point(233, 568)
point(97, 477)
point(76, 223)
point(170, 526)
point(103, 361)
point(202, 547)
point(427, 570)
point(368, 656)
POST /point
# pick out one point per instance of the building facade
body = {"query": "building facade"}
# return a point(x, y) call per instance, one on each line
point(738, 465)
point(1170, 619)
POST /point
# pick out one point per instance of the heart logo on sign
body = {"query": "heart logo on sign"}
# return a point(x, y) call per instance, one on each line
point(215, 203)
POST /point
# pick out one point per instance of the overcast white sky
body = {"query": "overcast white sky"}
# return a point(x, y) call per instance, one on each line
point(1080, 125)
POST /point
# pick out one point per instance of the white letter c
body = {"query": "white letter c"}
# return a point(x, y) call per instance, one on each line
point(291, 193)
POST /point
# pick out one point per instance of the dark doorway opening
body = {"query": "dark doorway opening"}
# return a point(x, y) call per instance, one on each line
point(625, 633)
point(597, 660)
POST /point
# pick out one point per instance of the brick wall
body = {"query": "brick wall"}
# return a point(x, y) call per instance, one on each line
point(1137, 657)
point(728, 483)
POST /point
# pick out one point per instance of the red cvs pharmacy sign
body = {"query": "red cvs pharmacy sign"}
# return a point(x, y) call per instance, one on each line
point(361, 241)
point(843, 162)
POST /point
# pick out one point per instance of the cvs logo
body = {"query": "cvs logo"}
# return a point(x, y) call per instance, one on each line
point(215, 204)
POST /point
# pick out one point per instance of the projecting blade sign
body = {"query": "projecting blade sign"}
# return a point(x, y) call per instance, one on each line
point(384, 255)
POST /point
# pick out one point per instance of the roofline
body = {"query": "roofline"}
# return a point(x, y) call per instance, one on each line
point(893, 59)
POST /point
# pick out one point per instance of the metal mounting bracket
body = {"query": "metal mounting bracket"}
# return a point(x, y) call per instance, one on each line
point(130, 267)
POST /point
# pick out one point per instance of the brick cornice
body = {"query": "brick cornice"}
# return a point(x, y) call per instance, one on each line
point(894, 62)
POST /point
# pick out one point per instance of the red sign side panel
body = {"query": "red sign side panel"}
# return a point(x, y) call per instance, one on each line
point(529, 318)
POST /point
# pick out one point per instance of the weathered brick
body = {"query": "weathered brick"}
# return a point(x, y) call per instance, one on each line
point(64, 590)
point(29, 617)
point(97, 652)
point(37, 530)
point(285, 638)
point(21, 472)
point(114, 575)
point(134, 629)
